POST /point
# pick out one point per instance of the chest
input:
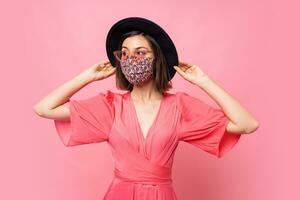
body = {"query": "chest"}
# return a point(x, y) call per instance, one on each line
point(146, 115)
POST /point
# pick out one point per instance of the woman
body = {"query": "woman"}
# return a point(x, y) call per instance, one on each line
point(144, 125)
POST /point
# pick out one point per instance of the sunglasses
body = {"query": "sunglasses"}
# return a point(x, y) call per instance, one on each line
point(122, 55)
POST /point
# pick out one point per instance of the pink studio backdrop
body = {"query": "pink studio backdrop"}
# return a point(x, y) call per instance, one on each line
point(251, 48)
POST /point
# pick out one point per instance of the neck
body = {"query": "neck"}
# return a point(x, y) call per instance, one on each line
point(145, 92)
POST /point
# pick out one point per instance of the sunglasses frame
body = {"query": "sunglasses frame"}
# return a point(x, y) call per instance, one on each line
point(135, 54)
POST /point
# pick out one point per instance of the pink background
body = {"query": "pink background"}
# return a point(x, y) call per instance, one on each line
point(251, 48)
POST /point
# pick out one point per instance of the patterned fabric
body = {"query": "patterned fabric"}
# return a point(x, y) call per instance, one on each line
point(137, 71)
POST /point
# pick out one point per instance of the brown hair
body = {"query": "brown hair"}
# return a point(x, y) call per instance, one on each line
point(160, 69)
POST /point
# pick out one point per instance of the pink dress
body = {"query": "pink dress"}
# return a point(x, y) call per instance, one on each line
point(142, 166)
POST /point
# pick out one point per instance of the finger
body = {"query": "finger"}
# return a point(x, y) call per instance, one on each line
point(182, 65)
point(186, 65)
point(180, 71)
point(108, 64)
point(104, 62)
point(110, 68)
point(184, 68)
point(112, 71)
point(101, 65)
point(106, 67)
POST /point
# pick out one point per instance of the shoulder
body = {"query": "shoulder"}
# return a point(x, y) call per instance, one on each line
point(184, 99)
point(180, 95)
point(187, 103)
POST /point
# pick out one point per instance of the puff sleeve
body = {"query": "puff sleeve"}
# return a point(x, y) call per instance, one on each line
point(90, 120)
point(204, 126)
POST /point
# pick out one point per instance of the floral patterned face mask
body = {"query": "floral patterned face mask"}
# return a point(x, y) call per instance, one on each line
point(137, 71)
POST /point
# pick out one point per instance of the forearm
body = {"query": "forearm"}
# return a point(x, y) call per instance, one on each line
point(63, 93)
point(231, 107)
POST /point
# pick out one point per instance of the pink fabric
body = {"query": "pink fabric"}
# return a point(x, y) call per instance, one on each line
point(143, 165)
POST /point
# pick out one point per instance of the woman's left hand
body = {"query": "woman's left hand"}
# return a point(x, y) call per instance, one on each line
point(190, 72)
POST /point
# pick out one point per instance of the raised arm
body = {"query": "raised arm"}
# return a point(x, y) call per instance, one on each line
point(53, 105)
point(241, 120)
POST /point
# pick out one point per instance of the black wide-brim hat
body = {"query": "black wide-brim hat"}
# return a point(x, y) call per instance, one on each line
point(125, 25)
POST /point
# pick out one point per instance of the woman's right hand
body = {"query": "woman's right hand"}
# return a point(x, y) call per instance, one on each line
point(101, 70)
point(52, 106)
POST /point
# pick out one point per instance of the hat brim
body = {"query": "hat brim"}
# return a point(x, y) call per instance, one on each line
point(125, 25)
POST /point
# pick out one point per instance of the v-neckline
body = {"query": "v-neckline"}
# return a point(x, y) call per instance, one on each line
point(137, 120)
